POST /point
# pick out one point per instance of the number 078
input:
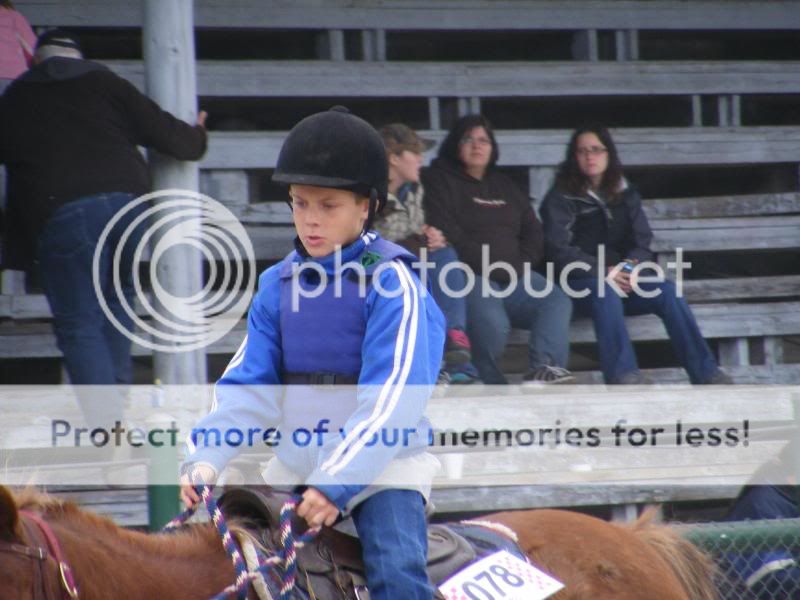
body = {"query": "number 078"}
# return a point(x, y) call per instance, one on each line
point(489, 584)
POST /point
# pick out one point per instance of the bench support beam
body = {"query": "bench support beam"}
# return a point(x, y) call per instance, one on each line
point(584, 45)
point(228, 186)
point(734, 352)
point(540, 179)
point(773, 350)
point(434, 114)
point(627, 44)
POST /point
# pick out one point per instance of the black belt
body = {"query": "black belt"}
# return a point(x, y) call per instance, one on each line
point(319, 379)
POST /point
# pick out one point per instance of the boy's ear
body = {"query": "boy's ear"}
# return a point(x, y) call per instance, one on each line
point(363, 201)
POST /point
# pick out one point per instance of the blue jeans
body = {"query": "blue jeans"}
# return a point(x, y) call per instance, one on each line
point(394, 538)
point(95, 351)
point(617, 356)
point(453, 308)
point(491, 319)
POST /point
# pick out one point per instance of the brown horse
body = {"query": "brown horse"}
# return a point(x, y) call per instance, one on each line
point(594, 559)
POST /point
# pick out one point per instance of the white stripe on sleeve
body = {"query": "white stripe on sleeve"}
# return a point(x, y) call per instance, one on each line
point(395, 383)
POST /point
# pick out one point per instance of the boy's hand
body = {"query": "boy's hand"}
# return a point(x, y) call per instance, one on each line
point(200, 473)
point(316, 509)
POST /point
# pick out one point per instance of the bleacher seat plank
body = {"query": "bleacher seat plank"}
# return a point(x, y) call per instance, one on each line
point(729, 320)
point(726, 234)
point(730, 223)
point(741, 288)
point(278, 212)
point(435, 14)
point(723, 206)
point(637, 146)
point(34, 306)
point(715, 320)
point(496, 498)
point(304, 78)
point(783, 374)
point(126, 506)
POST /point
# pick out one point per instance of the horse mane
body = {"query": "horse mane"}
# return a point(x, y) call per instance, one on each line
point(33, 499)
point(693, 567)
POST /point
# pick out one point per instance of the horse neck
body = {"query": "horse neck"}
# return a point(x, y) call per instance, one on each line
point(109, 561)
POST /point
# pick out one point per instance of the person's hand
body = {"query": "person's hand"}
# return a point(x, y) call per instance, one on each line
point(200, 473)
point(316, 509)
point(436, 239)
point(623, 279)
point(201, 118)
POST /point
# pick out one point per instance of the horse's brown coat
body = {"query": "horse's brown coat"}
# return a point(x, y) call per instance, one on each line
point(596, 560)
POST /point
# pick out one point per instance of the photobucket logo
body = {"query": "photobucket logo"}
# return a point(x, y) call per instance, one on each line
point(163, 221)
point(641, 276)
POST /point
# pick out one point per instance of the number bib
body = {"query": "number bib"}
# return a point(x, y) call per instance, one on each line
point(500, 576)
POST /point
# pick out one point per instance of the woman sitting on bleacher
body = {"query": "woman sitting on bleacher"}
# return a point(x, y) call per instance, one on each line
point(592, 216)
point(489, 222)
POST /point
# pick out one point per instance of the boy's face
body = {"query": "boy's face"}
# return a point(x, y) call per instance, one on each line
point(326, 217)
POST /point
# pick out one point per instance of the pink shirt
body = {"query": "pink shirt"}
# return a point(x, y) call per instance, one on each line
point(17, 43)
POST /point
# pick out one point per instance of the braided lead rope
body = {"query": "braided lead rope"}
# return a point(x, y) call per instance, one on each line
point(290, 544)
point(181, 519)
point(285, 557)
point(253, 558)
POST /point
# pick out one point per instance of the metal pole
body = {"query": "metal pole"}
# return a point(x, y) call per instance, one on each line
point(168, 43)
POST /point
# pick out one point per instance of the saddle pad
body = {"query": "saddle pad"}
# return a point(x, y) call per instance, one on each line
point(486, 541)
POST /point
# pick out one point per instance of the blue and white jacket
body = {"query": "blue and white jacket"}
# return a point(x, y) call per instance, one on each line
point(401, 335)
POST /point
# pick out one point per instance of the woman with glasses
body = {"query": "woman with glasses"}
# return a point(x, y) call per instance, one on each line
point(489, 222)
point(595, 228)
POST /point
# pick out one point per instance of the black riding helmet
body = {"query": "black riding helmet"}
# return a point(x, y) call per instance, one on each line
point(336, 149)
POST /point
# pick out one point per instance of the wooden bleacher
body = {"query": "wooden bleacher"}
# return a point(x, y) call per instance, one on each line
point(358, 57)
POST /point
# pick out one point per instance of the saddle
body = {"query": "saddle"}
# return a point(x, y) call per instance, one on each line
point(330, 566)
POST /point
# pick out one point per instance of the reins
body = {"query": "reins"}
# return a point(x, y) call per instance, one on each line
point(282, 566)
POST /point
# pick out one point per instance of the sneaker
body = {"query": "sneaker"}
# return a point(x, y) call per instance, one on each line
point(463, 374)
point(720, 377)
point(457, 350)
point(442, 383)
point(633, 378)
point(546, 375)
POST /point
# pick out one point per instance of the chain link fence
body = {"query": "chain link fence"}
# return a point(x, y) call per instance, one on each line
point(756, 560)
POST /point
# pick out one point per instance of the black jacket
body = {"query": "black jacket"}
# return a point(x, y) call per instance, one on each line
point(491, 211)
point(574, 226)
point(70, 128)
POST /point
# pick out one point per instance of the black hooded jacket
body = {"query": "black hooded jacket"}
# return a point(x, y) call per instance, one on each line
point(491, 211)
point(70, 128)
point(575, 225)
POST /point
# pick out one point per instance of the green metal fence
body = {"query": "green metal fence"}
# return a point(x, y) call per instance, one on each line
point(755, 559)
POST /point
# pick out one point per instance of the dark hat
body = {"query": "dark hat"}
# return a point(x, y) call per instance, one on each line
point(334, 149)
point(398, 137)
point(58, 37)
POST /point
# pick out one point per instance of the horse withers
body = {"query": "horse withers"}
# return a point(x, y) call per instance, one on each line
point(594, 559)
